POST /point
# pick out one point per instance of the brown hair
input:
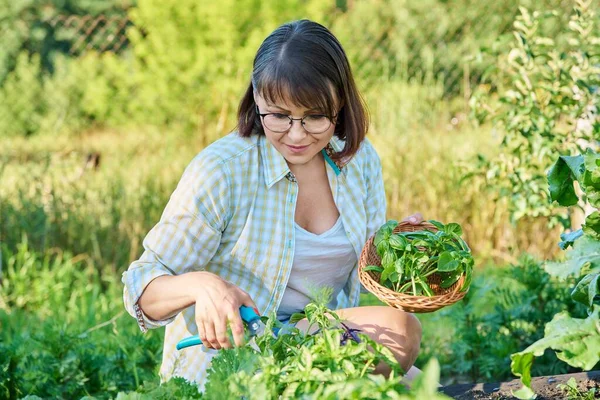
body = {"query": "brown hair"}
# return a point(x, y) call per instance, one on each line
point(303, 61)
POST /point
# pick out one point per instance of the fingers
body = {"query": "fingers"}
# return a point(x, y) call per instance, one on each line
point(201, 331)
point(213, 320)
point(414, 219)
point(221, 333)
point(211, 337)
point(247, 301)
point(237, 328)
point(206, 333)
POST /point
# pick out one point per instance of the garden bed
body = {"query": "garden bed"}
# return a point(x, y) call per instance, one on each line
point(544, 386)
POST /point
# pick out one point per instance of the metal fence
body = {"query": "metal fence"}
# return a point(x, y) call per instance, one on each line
point(88, 33)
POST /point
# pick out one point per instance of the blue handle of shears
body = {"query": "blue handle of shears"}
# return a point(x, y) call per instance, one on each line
point(247, 313)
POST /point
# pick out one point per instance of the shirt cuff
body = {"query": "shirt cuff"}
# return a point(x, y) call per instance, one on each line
point(146, 323)
point(133, 292)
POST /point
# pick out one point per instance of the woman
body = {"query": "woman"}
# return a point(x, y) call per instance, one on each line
point(267, 213)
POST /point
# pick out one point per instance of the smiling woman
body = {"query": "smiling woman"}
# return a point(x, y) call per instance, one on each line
point(271, 212)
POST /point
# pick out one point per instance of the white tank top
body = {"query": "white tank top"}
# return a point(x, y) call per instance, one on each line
point(319, 260)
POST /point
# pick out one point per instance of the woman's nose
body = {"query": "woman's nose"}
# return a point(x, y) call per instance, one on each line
point(296, 132)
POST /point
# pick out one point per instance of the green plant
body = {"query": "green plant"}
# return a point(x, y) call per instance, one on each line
point(576, 341)
point(334, 362)
point(548, 96)
point(542, 98)
point(64, 334)
point(408, 259)
point(504, 311)
point(175, 388)
point(573, 392)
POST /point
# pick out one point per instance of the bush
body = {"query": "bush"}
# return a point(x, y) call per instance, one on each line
point(505, 311)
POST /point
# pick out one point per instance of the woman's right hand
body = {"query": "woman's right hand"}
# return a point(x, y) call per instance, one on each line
point(218, 304)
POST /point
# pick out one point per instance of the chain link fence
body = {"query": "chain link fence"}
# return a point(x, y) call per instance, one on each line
point(88, 33)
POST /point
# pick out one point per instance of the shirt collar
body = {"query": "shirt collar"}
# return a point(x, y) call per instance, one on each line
point(275, 167)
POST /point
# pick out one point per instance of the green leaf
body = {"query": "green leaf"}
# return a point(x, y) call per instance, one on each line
point(450, 280)
point(561, 176)
point(399, 266)
point(425, 385)
point(383, 247)
point(525, 393)
point(398, 242)
point(592, 225)
point(388, 259)
point(437, 224)
point(375, 268)
point(591, 178)
point(586, 290)
point(446, 262)
point(585, 253)
point(295, 317)
point(379, 237)
point(576, 342)
point(388, 264)
point(453, 228)
point(420, 243)
point(388, 227)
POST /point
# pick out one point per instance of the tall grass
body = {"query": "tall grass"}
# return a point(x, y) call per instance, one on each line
point(64, 333)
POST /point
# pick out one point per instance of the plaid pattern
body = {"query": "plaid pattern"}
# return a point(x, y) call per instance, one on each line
point(232, 214)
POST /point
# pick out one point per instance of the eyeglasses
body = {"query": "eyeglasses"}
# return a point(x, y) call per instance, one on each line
point(280, 123)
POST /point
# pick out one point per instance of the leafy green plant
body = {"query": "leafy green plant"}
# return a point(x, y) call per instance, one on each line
point(542, 98)
point(175, 388)
point(409, 259)
point(573, 392)
point(334, 362)
point(505, 310)
point(576, 341)
point(64, 334)
point(547, 105)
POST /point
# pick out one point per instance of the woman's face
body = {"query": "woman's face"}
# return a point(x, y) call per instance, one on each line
point(296, 145)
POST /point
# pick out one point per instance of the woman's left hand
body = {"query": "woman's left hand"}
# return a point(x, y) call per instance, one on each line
point(414, 219)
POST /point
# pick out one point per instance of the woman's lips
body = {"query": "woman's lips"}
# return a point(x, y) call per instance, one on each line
point(296, 149)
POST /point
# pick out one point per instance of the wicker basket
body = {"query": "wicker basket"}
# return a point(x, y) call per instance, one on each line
point(415, 304)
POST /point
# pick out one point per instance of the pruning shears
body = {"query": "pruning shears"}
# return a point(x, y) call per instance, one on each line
point(249, 316)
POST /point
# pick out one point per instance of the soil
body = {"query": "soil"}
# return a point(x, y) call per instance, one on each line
point(543, 386)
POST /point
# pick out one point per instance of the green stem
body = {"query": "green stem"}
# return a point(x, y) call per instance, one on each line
point(426, 288)
point(404, 287)
point(433, 271)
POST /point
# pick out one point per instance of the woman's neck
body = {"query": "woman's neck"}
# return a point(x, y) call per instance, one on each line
point(312, 168)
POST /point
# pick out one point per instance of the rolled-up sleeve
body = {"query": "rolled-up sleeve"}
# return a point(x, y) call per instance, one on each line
point(187, 235)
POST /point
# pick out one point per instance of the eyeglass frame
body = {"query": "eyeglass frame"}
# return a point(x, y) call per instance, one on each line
point(331, 120)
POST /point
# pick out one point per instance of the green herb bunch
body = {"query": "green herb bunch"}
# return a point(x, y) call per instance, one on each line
point(408, 259)
point(332, 362)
